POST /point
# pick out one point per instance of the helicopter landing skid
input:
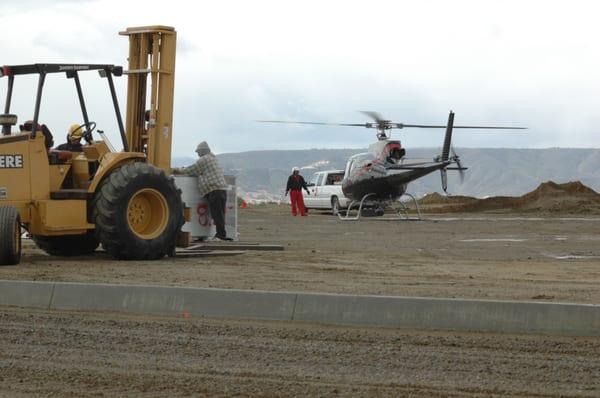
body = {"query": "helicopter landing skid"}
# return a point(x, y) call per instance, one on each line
point(402, 211)
point(359, 206)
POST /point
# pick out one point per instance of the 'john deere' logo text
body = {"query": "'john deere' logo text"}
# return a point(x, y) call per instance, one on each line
point(11, 161)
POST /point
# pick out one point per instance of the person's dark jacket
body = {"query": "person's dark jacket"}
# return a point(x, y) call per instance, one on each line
point(68, 146)
point(28, 126)
point(296, 183)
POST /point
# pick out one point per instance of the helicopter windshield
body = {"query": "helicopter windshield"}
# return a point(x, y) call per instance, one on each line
point(356, 162)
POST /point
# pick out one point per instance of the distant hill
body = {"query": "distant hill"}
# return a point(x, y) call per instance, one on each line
point(492, 171)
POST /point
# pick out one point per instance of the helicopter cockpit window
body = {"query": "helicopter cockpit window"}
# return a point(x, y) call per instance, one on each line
point(348, 167)
point(360, 160)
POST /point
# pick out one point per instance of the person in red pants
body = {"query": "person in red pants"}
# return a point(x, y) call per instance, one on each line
point(294, 186)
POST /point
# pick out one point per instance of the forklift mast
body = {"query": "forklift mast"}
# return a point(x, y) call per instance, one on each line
point(151, 52)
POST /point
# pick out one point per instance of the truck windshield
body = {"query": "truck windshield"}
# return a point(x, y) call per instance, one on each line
point(320, 179)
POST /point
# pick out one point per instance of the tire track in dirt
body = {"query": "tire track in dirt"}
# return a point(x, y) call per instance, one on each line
point(82, 354)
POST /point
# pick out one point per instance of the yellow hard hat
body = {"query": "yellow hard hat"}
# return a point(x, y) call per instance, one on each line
point(75, 131)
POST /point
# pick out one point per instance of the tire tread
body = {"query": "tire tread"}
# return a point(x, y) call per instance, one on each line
point(109, 216)
point(9, 220)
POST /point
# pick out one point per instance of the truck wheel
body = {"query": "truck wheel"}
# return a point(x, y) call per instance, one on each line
point(138, 212)
point(10, 236)
point(67, 245)
point(335, 206)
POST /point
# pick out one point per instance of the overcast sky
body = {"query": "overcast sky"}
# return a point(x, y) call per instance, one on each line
point(529, 63)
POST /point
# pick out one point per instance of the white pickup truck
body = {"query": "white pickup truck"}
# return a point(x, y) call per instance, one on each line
point(326, 191)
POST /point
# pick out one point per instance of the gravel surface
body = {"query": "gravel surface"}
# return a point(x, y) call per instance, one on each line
point(84, 354)
point(479, 256)
point(483, 256)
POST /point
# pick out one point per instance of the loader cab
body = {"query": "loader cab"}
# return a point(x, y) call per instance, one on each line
point(70, 71)
point(67, 170)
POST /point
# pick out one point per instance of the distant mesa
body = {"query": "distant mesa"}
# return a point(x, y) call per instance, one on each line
point(549, 197)
point(492, 171)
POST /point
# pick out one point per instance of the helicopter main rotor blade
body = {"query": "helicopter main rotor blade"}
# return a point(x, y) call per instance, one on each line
point(382, 123)
point(374, 115)
point(317, 123)
point(430, 126)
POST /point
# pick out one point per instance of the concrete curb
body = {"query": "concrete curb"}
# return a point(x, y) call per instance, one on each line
point(400, 312)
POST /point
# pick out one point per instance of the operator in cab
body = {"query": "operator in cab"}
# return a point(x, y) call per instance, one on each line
point(73, 143)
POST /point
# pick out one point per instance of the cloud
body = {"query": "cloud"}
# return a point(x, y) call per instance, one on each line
point(493, 62)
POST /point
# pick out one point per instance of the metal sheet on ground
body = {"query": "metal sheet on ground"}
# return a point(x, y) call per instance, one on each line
point(235, 246)
point(208, 253)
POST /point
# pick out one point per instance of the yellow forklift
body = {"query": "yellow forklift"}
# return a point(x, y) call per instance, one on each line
point(70, 202)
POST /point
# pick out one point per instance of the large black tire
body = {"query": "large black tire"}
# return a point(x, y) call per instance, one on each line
point(67, 245)
point(10, 236)
point(138, 212)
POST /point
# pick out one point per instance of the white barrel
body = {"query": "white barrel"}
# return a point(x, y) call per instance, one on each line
point(201, 224)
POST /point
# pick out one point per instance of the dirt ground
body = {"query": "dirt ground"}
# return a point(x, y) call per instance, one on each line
point(476, 255)
point(535, 253)
point(82, 354)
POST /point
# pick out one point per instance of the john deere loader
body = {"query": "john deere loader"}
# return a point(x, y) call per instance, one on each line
point(70, 202)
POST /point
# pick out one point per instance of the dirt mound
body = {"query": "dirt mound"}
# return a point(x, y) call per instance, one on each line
point(436, 199)
point(548, 197)
point(550, 188)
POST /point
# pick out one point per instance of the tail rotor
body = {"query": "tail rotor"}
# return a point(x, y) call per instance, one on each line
point(459, 167)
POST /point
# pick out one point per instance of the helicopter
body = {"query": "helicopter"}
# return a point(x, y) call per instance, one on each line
point(379, 177)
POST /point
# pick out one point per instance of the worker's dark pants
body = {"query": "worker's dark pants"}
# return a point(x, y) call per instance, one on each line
point(216, 203)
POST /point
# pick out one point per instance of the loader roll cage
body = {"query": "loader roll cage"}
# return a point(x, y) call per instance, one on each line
point(72, 72)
